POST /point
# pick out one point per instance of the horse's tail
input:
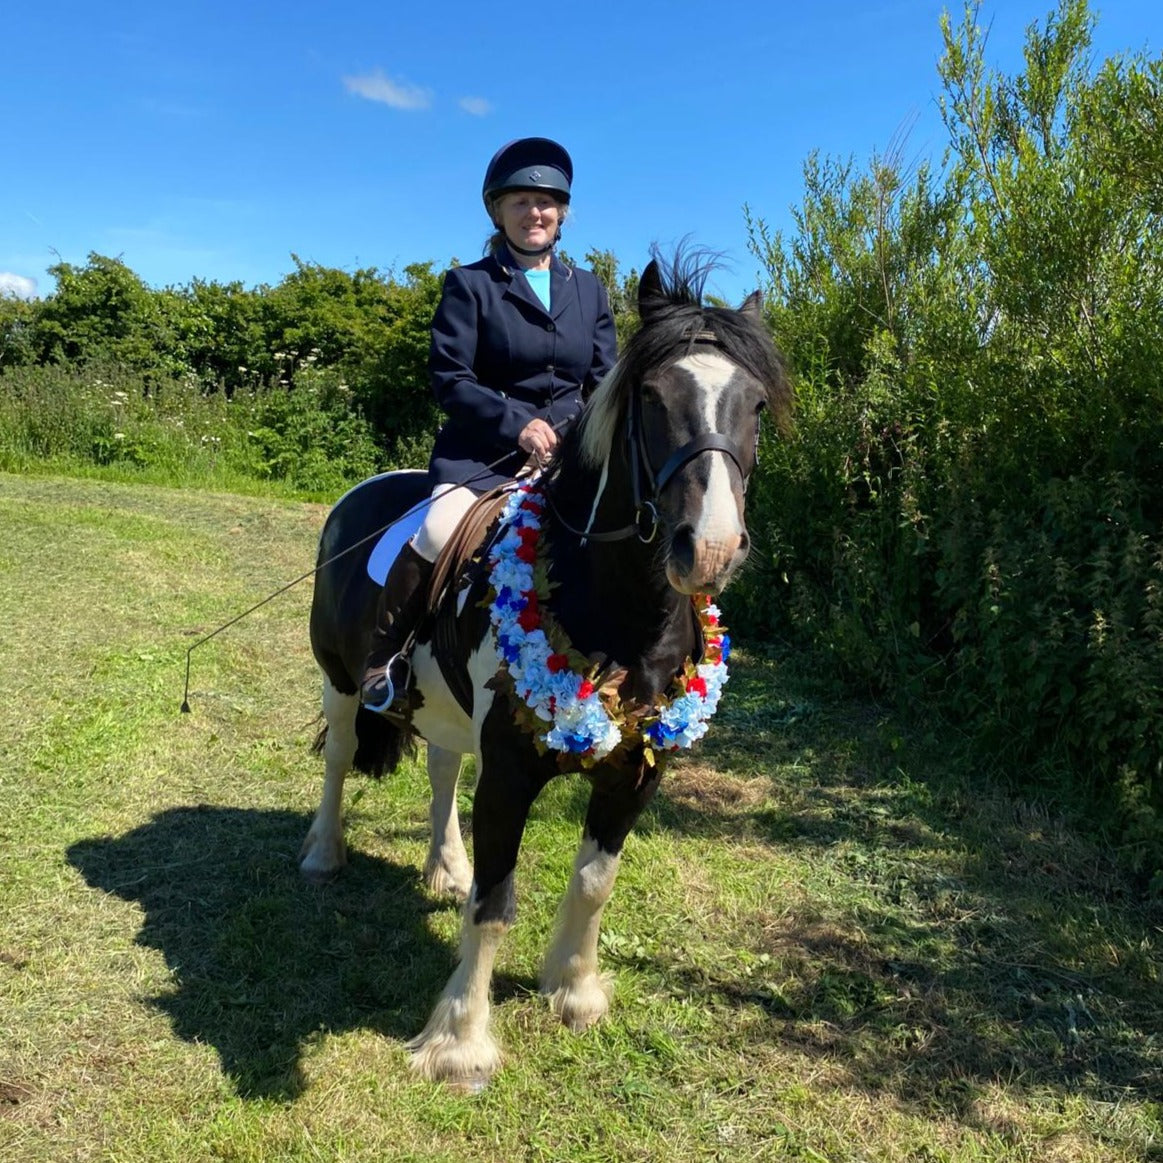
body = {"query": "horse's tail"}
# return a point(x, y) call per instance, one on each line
point(379, 744)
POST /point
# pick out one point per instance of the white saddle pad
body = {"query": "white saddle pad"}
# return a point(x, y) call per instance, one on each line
point(389, 545)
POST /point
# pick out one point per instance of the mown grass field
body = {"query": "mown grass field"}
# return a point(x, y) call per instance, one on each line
point(824, 946)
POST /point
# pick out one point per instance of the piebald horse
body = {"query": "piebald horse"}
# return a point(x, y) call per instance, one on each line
point(637, 519)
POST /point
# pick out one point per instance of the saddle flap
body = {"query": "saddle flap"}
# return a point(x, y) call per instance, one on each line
point(465, 543)
point(467, 538)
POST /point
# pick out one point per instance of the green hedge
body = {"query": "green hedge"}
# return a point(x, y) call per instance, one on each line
point(308, 440)
point(971, 505)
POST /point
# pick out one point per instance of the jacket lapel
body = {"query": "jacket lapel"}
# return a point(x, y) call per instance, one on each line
point(562, 287)
point(519, 287)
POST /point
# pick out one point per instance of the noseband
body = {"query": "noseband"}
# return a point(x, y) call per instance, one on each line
point(647, 518)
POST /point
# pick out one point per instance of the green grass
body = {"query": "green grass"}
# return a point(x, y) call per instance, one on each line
point(824, 946)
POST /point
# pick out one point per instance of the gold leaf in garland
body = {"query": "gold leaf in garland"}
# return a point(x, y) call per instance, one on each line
point(608, 691)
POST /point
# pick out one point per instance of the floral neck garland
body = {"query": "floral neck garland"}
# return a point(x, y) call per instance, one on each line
point(562, 698)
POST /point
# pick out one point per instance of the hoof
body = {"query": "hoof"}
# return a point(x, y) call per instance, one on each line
point(465, 1067)
point(319, 876)
point(469, 1087)
point(446, 882)
point(582, 1003)
point(321, 863)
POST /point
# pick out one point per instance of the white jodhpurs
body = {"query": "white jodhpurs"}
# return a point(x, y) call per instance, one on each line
point(448, 505)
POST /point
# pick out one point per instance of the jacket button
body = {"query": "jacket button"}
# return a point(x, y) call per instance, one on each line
point(550, 368)
point(550, 326)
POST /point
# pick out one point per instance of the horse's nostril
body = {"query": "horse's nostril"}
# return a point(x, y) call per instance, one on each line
point(744, 543)
point(682, 548)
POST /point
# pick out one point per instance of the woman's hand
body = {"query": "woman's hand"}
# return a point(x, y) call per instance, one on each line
point(538, 439)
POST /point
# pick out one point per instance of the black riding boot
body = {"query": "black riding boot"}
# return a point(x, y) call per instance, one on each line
point(401, 605)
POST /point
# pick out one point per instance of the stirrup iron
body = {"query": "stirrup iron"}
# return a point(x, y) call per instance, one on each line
point(389, 698)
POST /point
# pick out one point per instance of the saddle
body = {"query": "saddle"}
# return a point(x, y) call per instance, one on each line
point(463, 551)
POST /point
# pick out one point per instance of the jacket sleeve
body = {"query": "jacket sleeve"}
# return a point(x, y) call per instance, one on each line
point(487, 411)
point(605, 343)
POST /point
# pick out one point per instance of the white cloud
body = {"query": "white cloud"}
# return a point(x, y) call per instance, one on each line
point(16, 286)
point(398, 94)
point(477, 106)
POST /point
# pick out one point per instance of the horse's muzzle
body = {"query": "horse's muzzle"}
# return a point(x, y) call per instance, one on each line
point(704, 565)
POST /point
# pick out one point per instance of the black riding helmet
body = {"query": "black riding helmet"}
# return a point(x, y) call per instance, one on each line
point(529, 163)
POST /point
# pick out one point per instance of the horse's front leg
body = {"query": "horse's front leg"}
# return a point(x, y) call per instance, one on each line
point(447, 870)
point(324, 853)
point(456, 1046)
point(578, 994)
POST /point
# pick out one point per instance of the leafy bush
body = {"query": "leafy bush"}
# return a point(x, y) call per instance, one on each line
point(309, 436)
point(308, 439)
point(370, 329)
point(971, 505)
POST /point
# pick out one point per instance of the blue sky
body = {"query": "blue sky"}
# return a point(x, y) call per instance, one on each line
point(212, 140)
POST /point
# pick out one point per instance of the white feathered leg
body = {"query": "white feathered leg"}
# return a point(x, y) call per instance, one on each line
point(324, 853)
point(578, 994)
point(447, 870)
point(456, 1046)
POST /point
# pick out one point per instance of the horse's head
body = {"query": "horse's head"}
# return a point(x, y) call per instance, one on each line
point(688, 394)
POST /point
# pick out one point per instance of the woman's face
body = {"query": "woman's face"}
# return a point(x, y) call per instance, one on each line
point(529, 218)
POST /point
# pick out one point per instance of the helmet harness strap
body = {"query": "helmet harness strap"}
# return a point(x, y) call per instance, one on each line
point(525, 251)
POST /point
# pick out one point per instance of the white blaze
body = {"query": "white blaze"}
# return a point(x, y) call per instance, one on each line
point(718, 522)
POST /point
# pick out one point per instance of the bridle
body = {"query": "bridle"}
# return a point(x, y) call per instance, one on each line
point(647, 517)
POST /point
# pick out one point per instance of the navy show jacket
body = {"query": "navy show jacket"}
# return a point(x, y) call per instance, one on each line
point(499, 359)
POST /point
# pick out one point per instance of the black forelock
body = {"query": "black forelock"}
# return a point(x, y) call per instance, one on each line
point(675, 320)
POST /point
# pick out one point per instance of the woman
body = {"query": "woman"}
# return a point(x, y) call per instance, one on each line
point(518, 340)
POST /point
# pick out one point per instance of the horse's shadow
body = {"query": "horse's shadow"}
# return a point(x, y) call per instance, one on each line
point(261, 963)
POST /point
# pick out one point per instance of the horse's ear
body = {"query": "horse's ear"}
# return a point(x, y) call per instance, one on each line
point(650, 292)
point(752, 306)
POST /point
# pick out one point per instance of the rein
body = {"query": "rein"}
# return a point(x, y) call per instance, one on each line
point(646, 507)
